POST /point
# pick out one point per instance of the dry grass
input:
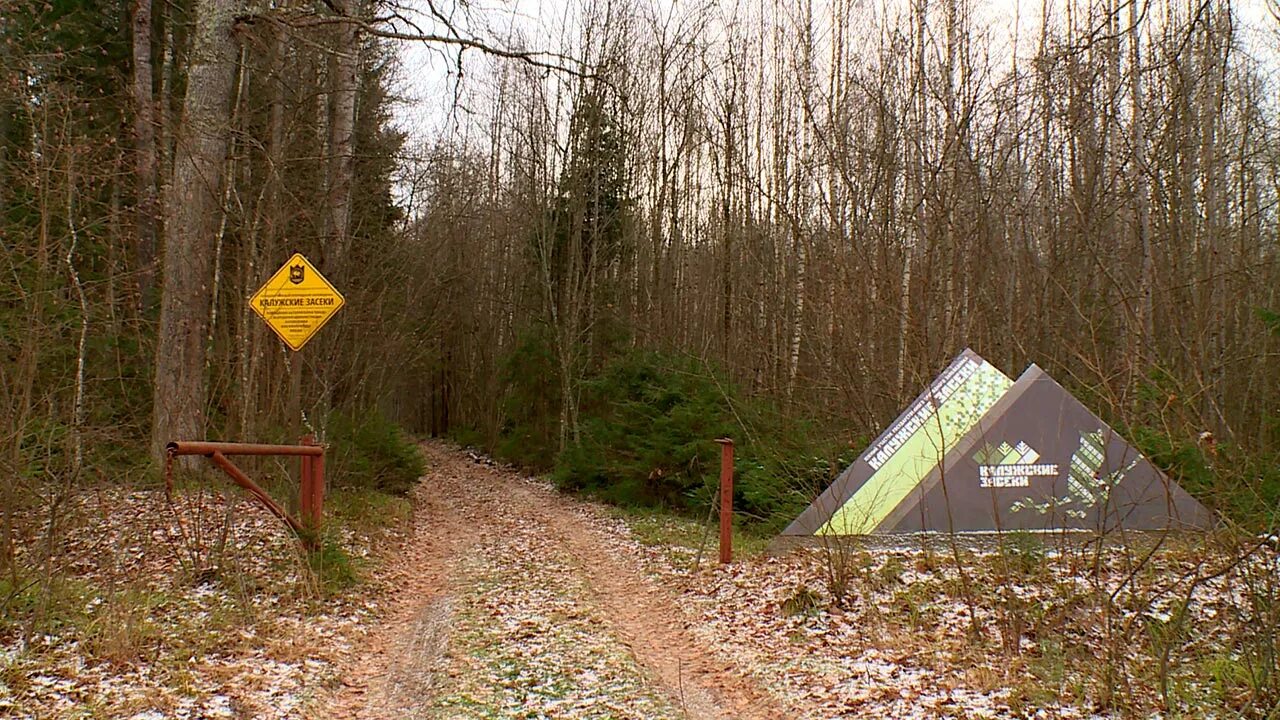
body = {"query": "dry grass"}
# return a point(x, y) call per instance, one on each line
point(199, 607)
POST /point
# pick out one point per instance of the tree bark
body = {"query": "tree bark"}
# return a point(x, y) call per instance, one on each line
point(726, 286)
point(345, 77)
point(266, 212)
point(191, 219)
point(176, 31)
point(144, 152)
point(797, 327)
point(1142, 215)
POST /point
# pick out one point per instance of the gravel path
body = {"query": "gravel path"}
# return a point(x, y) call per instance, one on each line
point(514, 602)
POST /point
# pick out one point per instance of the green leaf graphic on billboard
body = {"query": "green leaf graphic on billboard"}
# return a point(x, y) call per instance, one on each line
point(952, 407)
point(1087, 486)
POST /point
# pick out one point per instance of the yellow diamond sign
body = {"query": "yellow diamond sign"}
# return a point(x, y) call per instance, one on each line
point(297, 301)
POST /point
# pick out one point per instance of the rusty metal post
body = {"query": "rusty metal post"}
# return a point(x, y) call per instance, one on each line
point(305, 494)
point(726, 500)
point(317, 490)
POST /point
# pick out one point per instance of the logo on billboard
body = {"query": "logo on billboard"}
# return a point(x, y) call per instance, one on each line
point(1088, 486)
point(1011, 466)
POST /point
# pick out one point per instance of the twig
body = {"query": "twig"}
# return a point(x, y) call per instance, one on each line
point(381, 27)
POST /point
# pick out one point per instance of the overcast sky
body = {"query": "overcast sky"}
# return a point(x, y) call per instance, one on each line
point(425, 80)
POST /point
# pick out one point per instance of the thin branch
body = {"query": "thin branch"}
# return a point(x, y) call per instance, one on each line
point(378, 27)
point(1099, 35)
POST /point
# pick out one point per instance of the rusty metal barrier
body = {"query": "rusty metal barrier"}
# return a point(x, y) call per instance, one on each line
point(310, 495)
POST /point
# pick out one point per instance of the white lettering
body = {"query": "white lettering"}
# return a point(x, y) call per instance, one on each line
point(920, 412)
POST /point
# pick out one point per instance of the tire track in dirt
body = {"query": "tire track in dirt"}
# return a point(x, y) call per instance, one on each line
point(391, 675)
point(648, 619)
point(460, 507)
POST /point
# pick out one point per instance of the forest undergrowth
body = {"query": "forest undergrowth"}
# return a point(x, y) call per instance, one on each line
point(1124, 624)
point(1025, 626)
point(124, 598)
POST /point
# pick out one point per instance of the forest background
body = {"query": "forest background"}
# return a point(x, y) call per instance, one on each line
point(664, 224)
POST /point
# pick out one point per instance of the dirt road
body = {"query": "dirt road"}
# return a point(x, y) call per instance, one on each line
point(512, 603)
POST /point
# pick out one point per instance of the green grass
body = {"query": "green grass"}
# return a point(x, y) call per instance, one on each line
point(58, 604)
point(333, 566)
point(369, 511)
point(367, 508)
point(662, 528)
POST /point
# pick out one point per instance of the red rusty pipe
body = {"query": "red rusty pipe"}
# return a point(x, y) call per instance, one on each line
point(243, 481)
point(228, 448)
point(305, 493)
point(726, 500)
point(317, 490)
point(304, 490)
point(312, 490)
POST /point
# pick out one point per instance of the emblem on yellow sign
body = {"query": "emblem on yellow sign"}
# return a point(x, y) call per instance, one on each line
point(297, 301)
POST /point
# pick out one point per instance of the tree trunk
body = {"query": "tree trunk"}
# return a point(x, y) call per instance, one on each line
point(797, 327)
point(1142, 215)
point(266, 213)
point(175, 58)
point(904, 321)
point(191, 219)
point(726, 285)
point(144, 152)
point(344, 77)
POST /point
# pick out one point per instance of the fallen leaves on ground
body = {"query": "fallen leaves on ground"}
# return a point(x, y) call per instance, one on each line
point(143, 619)
point(488, 610)
point(527, 641)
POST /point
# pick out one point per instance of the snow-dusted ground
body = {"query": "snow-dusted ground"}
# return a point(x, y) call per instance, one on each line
point(131, 630)
point(503, 599)
point(1035, 631)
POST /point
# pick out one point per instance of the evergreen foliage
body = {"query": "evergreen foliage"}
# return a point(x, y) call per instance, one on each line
point(1238, 477)
point(369, 451)
point(532, 387)
point(1271, 320)
point(647, 433)
point(1243, 486)
point(592, 204)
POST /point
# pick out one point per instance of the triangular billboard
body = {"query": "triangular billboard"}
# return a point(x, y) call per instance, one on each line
point(977, 452)
point(892, 467)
